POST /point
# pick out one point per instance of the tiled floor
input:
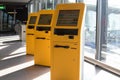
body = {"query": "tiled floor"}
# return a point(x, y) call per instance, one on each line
point(16, 65)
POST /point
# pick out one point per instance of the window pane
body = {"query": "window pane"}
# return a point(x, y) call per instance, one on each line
point(49, 4)
point(90, 29)
point(92, 2)
point(69, 1)
point(111, 53)
point(114, 3)
point(1, 14)
point(58, 2)
point(31, 8)
point(42, 4)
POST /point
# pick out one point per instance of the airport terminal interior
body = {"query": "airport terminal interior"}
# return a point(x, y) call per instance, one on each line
point(59, 40)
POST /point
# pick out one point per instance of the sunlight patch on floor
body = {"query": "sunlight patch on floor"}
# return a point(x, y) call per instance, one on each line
point(13, 56)
point(9, 70)
point(20, 50)
point(2, 47)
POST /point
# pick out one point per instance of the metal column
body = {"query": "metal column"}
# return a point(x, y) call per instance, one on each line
point(104, 24)
point(101, 27)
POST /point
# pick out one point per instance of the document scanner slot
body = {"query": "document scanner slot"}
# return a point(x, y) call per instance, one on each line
point(30, 34)
point(43, 28)
point(66, 31)
point(30, 27)
point(40, 38)
point(61, 46)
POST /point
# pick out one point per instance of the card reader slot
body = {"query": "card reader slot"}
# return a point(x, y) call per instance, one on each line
point(43, 28)
point(30, 27)
point(66, 31)
point(40, 38)
point(61, 46)
point(30, 34)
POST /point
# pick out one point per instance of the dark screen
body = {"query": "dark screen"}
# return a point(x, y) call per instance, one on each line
point(68, 18)
point(32, 19)
point(45, 19)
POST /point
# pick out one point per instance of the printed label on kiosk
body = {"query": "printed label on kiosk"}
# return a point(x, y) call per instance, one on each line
point(30, 33)
point(66, 56)
point(43, 37)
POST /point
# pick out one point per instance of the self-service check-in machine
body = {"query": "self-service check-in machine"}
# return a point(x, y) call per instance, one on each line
point(43, 37)
point(32, 18)
point(66, 59)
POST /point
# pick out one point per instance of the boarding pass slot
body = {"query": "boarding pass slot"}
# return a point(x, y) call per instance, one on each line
point(61, 46)
point(30, 34)
point(40, 38)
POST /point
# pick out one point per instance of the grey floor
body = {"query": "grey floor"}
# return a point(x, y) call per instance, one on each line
point(16, 65)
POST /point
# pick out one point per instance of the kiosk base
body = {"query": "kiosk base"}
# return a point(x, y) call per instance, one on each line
point(42, 52)
point(29, 44)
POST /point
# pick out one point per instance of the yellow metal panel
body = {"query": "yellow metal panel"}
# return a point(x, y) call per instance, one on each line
point(30, 44)
point(42, 38)
point(42, 52)
point(32, 18)
point(66, 42)
point(65, 62)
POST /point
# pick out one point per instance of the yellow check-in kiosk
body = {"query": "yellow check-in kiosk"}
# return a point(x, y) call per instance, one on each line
point(66, 44)
point(43, 37)
point(32, 18)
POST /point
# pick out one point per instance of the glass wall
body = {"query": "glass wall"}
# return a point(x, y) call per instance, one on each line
point(49, 4)
point(31, 8)
point(43, 4)
point(111, 53)
point(11, 22)
point(90, 2)
point(57, 2)
point(90, 28)
point(69, 1)
point(1, 17)
point(6, 21)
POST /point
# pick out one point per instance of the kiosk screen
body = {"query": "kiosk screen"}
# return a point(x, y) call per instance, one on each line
point(32, 19)
point(45, 19)
point(68, 18)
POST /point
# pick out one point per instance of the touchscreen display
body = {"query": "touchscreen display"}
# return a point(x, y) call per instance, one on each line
point(45, 19)
point(68, 18)
point(32, 19)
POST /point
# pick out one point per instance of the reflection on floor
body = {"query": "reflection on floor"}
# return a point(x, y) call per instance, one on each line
point(16, 65)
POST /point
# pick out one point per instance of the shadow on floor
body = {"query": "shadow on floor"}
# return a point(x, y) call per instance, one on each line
point(15, 61)
point(29, 73)
point(11, 47)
